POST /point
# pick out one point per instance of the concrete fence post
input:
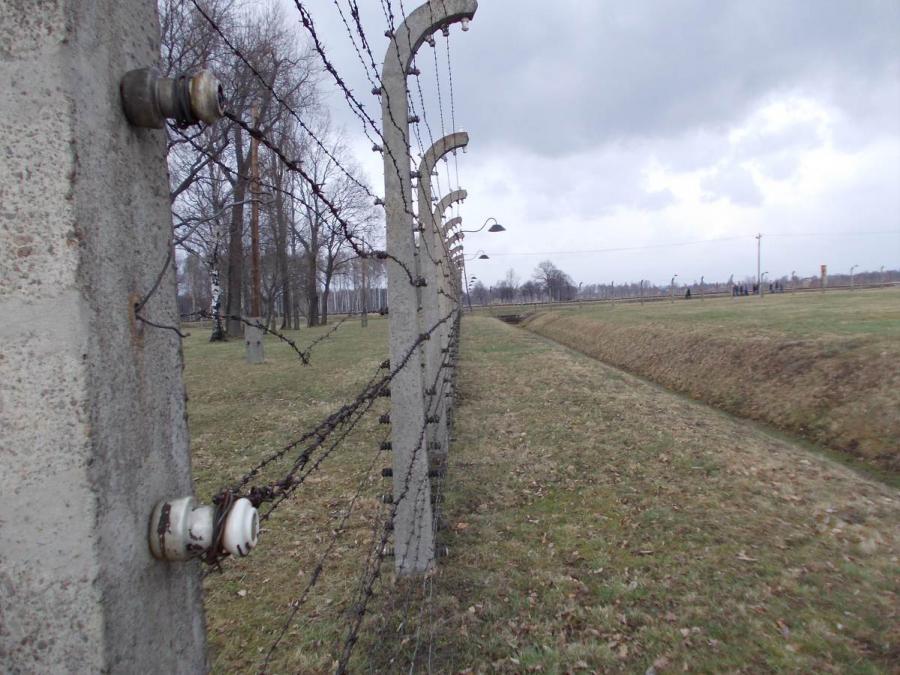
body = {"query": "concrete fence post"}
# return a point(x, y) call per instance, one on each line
point(92, 407)
point(437, 217)
point(433, 255)
point(413, 536)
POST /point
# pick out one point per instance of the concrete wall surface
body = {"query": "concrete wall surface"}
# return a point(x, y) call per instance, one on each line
point(92, 413)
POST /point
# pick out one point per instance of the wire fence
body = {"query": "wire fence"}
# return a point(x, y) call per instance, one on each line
point(413, 510)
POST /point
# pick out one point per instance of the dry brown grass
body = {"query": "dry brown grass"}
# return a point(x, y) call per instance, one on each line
point(833, 382)
point(601, 524)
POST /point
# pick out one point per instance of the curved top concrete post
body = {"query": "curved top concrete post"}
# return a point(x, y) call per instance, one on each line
point(413, 535)
point(441, 147)
point(418, 26)
point(445, 203)
point(453, 222)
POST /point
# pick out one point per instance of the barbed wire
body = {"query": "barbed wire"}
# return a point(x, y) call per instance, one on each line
point(271, 89)
point(303, 354)
point(319, 568)
point(407, 599)
point(452, 110)
point(319, 192)
point(307, 453)
point(355, 106)
point(372, 567)
point(315, 438)
point(373, 81)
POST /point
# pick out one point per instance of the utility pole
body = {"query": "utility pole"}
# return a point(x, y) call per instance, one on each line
point(758, 264)
point(413, 535)
point(253, 334)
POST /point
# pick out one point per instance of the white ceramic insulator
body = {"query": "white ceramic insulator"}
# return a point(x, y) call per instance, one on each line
point(241, 528)
point(180, 530)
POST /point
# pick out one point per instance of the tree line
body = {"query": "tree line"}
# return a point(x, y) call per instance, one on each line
point(550, 284)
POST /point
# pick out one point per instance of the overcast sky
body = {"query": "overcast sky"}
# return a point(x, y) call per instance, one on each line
point(624, 124)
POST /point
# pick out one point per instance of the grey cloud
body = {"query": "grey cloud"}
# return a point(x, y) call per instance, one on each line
point(568, 102)
point(655, 201)
point(561, 76)
point(735, 184)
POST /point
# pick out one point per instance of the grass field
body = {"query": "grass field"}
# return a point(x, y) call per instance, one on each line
point(239, 413)
point(825, 367)
point(596, 523)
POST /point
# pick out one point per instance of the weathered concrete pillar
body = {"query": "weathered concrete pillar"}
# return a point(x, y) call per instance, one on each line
point(441, 233)
point(413, 540)
point(253, 341)
point(438, 216)
point(92, 411)
point(432, 256)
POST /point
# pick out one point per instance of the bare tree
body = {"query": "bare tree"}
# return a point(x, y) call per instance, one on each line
point(317, 229)
point(210, 168)
point(554, 281)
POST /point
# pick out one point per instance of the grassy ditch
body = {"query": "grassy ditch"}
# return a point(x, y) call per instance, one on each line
point(601, 524)
point(825, 367)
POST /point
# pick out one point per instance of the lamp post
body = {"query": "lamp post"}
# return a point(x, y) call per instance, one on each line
point(480, 255)
point(793, 281)
point(672, 289)
point(496, 227)
point(851, 275)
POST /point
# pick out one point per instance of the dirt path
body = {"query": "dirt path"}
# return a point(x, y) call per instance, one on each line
point(599, 523)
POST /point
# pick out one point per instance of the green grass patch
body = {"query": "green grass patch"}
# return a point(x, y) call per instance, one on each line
point(596, 523)
point(822, 367)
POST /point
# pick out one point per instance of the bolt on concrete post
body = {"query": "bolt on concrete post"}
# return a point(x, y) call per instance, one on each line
point(413, 536)
point(432, 256)
point(92, 424)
